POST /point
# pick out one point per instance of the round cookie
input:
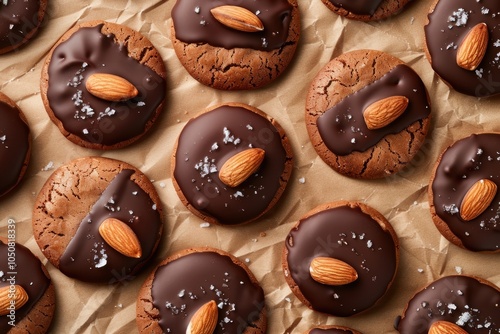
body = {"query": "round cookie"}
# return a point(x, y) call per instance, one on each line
point(98, 220)
point(352, 233)
point(470, 303)
point(352, 86)
point(331, 330)
point(19, 22)
point(366, 10)
point(92, 108)
point(190, 279)
point(448, 24)
point(214, 137)
point(463, 166)
point(25, 270)
point(223, 57)
point(15, 144)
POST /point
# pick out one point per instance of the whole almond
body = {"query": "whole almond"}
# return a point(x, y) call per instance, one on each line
point(240, 166)
point(385, 111)
point(237, 18)
point(110, 87)
point(472, 49)
point(445, 327)
point(121, 237)
point(477, 199)
point(204, 320)
point(331, 271)
point(18, 297)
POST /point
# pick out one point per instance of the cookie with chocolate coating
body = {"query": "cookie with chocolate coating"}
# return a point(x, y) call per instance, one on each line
point(366, 10)
point(103, 85)
point(235, 45)
point(367, 114)
point(201, 278)
point(98, 220)
point(331, 330)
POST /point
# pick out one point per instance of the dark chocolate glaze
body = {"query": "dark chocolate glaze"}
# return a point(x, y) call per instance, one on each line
point(342, 127)
point(182, 286)
point(462, 164)
point(359, 7)
point(14, 146)
point(448, 25)
point(89, 258)
point(461, 300)
point(350, 235)
point(330, 331)
point(206, 193)
point(93, 119)
point(17, 21)
point(194, 23)
point(27, 272)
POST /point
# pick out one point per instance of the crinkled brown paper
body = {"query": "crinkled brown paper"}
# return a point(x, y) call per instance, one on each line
point(425, 255)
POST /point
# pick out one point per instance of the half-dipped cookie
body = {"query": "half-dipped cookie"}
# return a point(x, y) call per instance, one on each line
point(366, 10)
point(341, 258)
point(103, 85)
point(367, 114)
point(201, 288)
point(331, 330)
point(98, 220)
point(231, 164)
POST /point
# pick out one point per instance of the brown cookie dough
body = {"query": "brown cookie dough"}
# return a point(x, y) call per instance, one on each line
point(350, 232)
point(15, 144)
point(331, 330)
point(21, 269)
point(225, 58)
point(366, 10)
point(213, 137)
point(82, 196)
point(337, 103)
point(96, 111)
point(186, 281)
point(19, 22)
point(474, 160)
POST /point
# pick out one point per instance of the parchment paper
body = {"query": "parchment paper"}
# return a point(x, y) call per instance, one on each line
point(425, 255)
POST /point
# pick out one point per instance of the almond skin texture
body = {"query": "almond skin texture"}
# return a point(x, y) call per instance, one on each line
point(477, 199)
point(6, 296)
point(330, 271)
point(237, 18)
point(383, 112)
point(204, 320)
point(471, 51)
point(240, 166)
point(121, 237)
point(110, 87)
point(445, 327)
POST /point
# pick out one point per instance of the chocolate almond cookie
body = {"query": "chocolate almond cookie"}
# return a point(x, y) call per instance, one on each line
point(341, 258)
point(235, 45)
point(331, 330)
point(366, 10)
point(463, 196)
point(367, 114)
point(103, 85)
point(15, 144)
point(231, 164)
point(201, 281)
point(30, 291)
point(98, 220)
point(453, 304)
point(19, 22)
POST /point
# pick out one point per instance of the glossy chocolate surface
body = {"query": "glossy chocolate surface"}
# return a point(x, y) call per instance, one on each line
point(206, 142)
point(14, 146)
point(17, 20)
point(448, 25)
point(349, 235)
point(92, 119)
point(89, 258)
point(183, 285)
point(194, 23)
point(24, 269)
point(359, 7)
point(461, 300)
point(464, 163)
point(342, 127)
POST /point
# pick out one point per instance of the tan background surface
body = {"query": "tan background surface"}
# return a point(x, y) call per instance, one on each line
point(86, 308)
